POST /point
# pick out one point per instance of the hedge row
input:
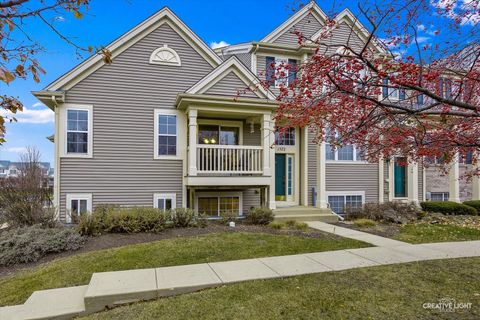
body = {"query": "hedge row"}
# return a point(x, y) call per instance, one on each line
point(448, 208)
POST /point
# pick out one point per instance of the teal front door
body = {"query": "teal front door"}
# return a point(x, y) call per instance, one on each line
point(280, 175)
point(400, 179)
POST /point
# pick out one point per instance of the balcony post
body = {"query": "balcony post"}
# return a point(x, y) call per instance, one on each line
point(266, 133)
point(412, 181)
point(192, 142)
point(476, 180)
point(454, 180)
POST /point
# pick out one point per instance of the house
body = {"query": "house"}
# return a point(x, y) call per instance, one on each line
point(181, 115)
point(13, 169)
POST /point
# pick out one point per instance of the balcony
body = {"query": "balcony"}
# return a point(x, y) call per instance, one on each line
point(229, 160)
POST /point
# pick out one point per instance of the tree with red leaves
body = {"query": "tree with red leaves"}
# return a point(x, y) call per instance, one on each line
point(410, 87)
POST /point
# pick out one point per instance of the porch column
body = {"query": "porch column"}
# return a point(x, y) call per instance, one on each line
point(321, 182)
point(266, 132)
point(454, 180)
point(192, 142)
point(381, 179)
point(412, 181)
point(476, 181)
point(304, 167)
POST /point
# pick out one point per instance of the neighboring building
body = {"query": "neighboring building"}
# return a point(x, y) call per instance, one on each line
point(164, 125)
point(13, 169)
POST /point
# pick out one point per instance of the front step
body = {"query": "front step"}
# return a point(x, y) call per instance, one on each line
point(300, 213)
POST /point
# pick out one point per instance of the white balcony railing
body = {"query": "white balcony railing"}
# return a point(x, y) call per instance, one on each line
point(229, 159)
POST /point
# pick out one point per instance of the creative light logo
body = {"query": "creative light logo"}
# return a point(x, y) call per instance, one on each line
point(447, 304)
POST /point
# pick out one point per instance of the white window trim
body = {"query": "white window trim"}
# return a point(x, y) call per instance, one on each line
point(165, 47)
point(158, 196)
point(219, 195)
point(345, 193)
point(296, 133)
point(77, 196)
point(223, 123)
point(89, 109)
point(166, 112)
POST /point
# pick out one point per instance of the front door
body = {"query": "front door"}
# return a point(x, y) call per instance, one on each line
point(400, 178)
point(280, 177)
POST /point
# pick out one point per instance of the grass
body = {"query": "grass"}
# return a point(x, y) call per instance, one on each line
point(425, 233)
point(385, 292)
point(364, 223)
point(77, 270)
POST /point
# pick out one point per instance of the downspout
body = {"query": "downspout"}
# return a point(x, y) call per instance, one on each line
point(56, 173)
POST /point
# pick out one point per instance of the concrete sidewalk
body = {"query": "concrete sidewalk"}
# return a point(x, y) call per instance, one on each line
point(108, 289)
point(354, 234)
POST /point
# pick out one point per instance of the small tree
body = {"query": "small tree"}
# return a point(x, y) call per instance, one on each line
point(25, 199)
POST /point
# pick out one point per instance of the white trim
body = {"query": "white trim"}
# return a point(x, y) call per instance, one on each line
point(119, 45)
point(181, 134)
point(221, 194)
point(345, 194)
point(77, 196)
point(335, 154)
point(64, 126)
point(171, 196)
point(232, 65)
point(298, 16)
point(154, 59)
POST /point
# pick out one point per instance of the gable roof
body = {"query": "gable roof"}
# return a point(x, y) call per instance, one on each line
point(311, 7)
point(346, 16)
point(234, 65)
point(119, 45)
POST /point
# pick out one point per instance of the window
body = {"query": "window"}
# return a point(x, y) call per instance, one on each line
point(285, 137)
point(420, 99)
point(389, 92)
point(214, 204)
point(217, 134)
point(439, 196)
point(345, 153)
point(341, 204)
point(167, 135)
point(78, 131)
point(277, 74)
point(164, 201)
point(78, 204)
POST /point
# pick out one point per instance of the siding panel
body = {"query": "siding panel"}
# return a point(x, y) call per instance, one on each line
point(231, 85)
point(353, 177)
point(124, 95)
point(308, 26)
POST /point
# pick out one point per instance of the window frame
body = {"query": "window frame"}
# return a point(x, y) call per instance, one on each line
point(445, 196)
point(89, 109)
point(77, 196)
point(277, 136)
point(156, 134)
point(164, 196)
point(220, 124)
point(335, 155)
point(219, 195)
point(344, 194)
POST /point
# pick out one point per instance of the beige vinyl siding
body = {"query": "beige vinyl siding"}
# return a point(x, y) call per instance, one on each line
point(251, 198)
point(124, 95)
point(308, 26)
point(252, 139)
point(245, 58)
point(342, 35)
point(231, 85)
point(312, 168)
point(353, 177)
point(386, 178)
point(420, 182)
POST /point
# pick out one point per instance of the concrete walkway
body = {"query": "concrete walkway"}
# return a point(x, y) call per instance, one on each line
point(354, 234)
point(108, 289)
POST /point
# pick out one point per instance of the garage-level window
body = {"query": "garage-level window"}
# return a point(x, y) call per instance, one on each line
point(164, 201)
point(78, 204)
point(214, 205)
point(341, 204)
point(439, 196)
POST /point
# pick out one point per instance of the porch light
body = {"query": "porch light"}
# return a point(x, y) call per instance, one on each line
point(213, 141)
point(206, 141)
point(252, 127)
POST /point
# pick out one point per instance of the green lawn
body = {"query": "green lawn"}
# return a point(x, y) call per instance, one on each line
point(425, 233)
point(385, 292)
point(77, 270)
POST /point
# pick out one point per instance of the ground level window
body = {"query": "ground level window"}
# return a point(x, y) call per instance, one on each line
point(439, 196)
point(214, 205)
point(78, 204)
point(164, 201)
point(342, 204)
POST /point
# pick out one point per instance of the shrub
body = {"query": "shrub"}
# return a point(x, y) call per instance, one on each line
point(290, 223)
point(448, 207)
point(136, 219)
point(395, 211)
point(262, 216)
point(29, 244)
point(363, 223)
point(183, 218)
point(301, 226)
point(474, 204)
point(276, 225)
point(228, 216)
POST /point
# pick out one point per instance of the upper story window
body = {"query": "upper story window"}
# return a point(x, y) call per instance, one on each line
point(445, 88)
point(166, 56)
point(389, 92)
point(280, 71)
point(345, 153)
point(78, 131)
point(167, 135)
point(285, 137)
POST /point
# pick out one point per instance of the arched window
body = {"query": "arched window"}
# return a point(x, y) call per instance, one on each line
point(165, 55)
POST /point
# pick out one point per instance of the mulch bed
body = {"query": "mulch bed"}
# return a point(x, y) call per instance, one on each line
point(114, 240)
point(383, 230)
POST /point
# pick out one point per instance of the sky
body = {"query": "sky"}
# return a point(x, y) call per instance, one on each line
point(215, 21)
